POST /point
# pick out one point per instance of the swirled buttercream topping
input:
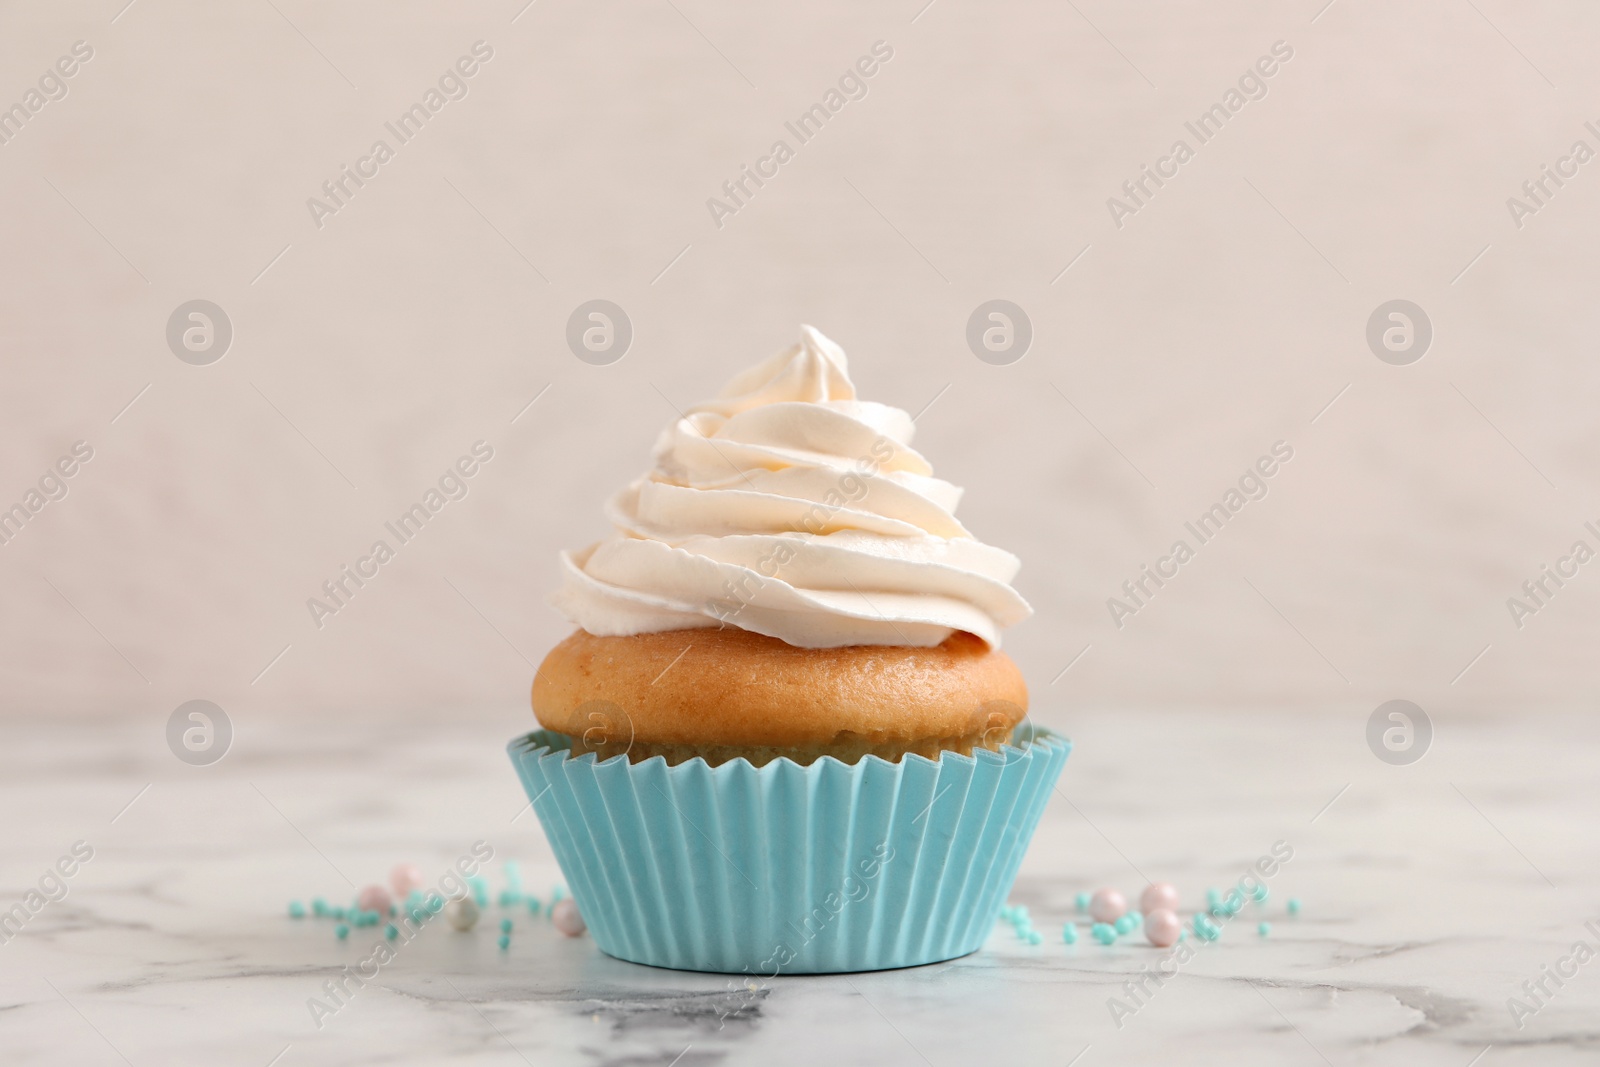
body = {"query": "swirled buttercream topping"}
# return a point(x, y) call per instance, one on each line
point(788, 507)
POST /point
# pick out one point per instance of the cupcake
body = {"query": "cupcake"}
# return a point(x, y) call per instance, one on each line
point(783, 737)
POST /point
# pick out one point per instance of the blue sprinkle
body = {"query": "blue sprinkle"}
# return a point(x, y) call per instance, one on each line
point(1125, 925)
point(319, 907)
point(1137, 917)
point(1069, 933)
point(1294, 905)
point(1183, 935)
point(505, 941)
point(505, 926)
point(1259, 893)
point(1082, 900)
point(533, 905)
point(1035, 937)
point(1103, 933)
point(342, 931)
point(509, 897)
point(297, 910)
point(1213, 897)
point(1264, 929)
point(390, 931)
point(337, 913)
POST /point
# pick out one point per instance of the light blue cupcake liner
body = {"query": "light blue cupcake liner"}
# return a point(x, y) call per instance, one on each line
point(785, 869)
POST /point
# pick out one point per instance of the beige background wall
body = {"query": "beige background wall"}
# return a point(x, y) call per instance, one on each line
point(424, 315)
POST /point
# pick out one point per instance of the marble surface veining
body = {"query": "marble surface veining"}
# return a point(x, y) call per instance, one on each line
point(1431, 893)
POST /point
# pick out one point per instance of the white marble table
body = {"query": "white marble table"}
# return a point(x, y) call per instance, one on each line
point(1430, 893)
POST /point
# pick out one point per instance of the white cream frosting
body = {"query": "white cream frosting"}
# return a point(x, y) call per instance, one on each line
point(788, 507)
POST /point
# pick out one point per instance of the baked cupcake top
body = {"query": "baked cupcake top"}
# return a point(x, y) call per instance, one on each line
point(789, 508)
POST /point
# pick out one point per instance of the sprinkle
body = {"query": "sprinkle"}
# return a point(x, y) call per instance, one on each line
point(1107, 905)
point(505, 926)
point(505, 942)
point(1069, 933)
point(509, 897)
point(319, 907)
point(1103, 933)
point(1263, 929)
point(566, 918)
point(480, 891)
point(337, 913)
point(297, 910)
point(342, 931)
point(1035, 937)
point(1259, 893)
point(1138, 917)
point(405, 878)
point(1159, 896)
point(1161, 928)
point(1294, 905)
point(391, 931)
point(1124, 925)
point(1213, 897)
point(1082, 900)
point(462, 913)
point(374, 898)
point(533, 905)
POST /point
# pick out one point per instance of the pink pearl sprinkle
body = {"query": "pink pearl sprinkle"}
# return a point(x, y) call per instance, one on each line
point(1161, 927)
point(405, 877)
point(374, 898)
point(564, 913)
point(1107, 906)
point(1159, 896)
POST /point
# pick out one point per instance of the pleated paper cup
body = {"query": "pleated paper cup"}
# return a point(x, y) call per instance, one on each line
point(784, 869)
